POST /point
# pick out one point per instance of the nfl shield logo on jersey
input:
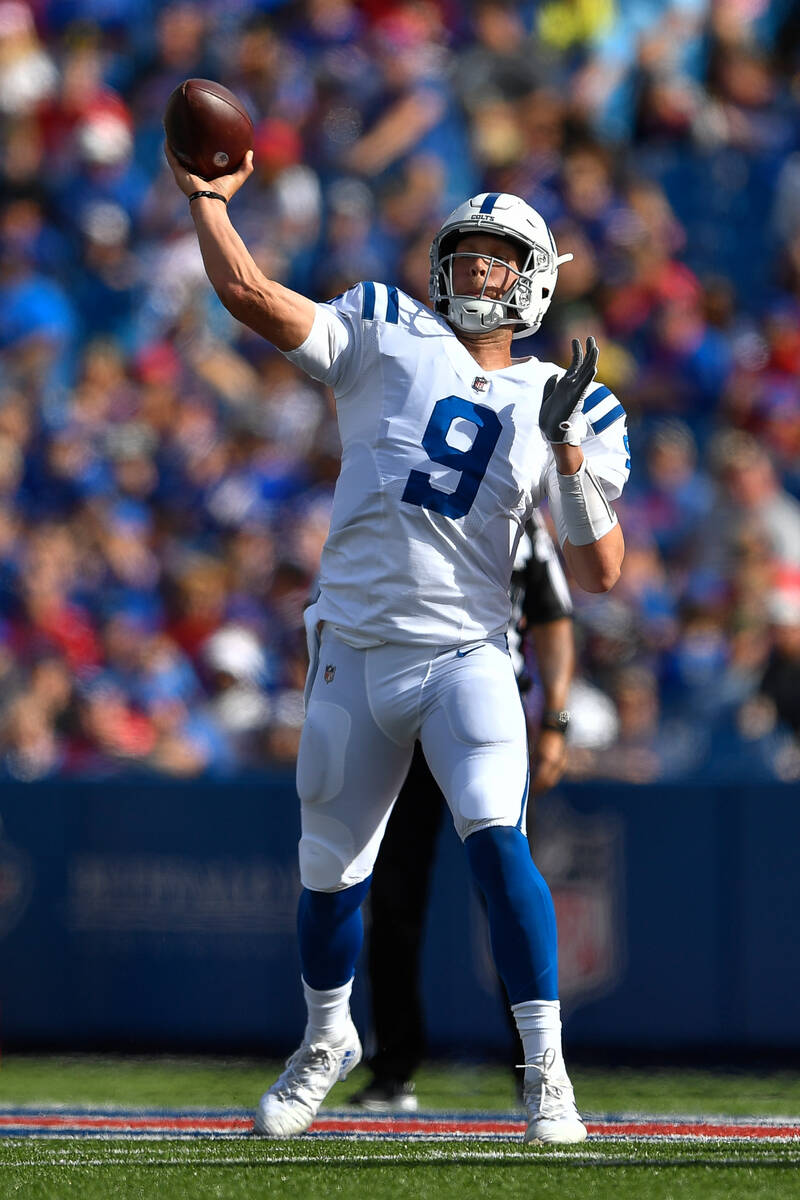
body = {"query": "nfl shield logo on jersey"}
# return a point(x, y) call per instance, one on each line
point(330, 671)
point(480, 383)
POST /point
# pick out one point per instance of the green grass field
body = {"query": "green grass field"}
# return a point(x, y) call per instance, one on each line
point(313, 1169)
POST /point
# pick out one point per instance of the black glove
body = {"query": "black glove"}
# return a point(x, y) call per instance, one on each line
point(560, 417)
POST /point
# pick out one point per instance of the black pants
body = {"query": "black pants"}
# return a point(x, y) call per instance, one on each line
point(398, 901)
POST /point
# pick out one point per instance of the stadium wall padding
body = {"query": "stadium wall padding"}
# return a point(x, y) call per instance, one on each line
point(140, 913)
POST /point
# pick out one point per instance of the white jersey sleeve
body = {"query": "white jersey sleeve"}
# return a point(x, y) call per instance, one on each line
point(344, 333)
point(606, 449)
point(332, 351)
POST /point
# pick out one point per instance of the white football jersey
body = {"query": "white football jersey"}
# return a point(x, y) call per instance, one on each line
point(442, 465)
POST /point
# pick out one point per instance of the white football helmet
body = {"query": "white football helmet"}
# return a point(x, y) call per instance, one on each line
point(528, 298)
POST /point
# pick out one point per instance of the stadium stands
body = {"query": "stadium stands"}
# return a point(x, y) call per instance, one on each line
point(165, 477)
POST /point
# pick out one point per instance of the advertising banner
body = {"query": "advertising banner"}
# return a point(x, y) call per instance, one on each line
point(139, 913)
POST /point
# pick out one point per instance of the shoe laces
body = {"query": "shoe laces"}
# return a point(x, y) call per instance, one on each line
point(555, 1094)
point(307, 1062)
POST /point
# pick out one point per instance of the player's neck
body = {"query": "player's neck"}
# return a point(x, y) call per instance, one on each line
point(491, 351)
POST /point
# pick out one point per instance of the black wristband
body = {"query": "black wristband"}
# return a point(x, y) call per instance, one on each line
point(555, 720)
point(211, 196)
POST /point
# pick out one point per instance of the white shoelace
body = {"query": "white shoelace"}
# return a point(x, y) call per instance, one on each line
point(306, 1062)
point(556, 1097)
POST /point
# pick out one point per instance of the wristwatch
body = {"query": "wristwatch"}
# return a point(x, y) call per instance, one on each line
point(556, 720)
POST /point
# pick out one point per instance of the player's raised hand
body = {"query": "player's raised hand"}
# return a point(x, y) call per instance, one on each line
point(226, 185)
point(561, 419)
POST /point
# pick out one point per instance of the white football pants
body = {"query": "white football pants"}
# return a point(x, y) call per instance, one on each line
point(365, 710)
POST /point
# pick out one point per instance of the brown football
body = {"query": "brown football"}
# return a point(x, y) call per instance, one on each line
point(207, 128)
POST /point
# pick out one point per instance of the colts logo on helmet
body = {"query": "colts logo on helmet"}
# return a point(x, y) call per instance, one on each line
point(330, 671)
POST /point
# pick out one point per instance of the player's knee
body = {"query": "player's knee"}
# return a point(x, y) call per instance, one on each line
point(321, 758)
point(329, 857)
point(465, 828)
point(330, 865)
point(506, 834)
point(487, 800)
point(321, 867)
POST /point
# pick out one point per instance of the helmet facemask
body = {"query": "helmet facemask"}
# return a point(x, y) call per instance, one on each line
point(481, 313)
point(524, 303)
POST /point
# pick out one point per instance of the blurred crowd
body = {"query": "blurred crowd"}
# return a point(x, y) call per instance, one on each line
point(166, 477)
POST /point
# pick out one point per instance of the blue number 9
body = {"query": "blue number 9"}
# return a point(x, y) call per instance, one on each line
point(472, 463)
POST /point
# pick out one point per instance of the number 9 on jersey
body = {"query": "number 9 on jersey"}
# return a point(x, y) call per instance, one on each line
point(472, 462)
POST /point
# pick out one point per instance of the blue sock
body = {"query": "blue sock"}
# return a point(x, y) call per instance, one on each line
point(330, 932)
point(522, 920)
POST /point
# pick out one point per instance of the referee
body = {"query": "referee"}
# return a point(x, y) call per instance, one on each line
point(541, 621)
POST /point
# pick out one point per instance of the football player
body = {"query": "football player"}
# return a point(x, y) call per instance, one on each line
point(447, 446)
point(398, 897)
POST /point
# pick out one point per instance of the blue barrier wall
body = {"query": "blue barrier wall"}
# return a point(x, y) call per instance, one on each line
point(142, 913)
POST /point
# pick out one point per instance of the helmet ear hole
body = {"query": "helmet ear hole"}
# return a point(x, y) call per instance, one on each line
point(545, 293)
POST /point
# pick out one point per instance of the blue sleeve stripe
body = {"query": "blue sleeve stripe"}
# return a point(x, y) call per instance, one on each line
point(392, 306)
point(368, 307)
point(595, 398)
point(490, 202)
point(608, 419)
point(627, 464)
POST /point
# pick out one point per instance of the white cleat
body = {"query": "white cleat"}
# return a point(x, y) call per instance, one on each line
point(387, 1097)
point(553, 1117)
point(291, 1104)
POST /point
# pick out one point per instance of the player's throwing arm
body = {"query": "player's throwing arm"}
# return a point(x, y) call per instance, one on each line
point(275, 312)
point(588, 529)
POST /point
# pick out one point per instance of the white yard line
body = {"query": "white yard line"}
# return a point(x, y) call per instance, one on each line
point(523, 1158)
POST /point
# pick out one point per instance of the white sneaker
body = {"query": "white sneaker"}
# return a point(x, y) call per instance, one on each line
point(553, 1117)
point(388, 1097)
point(291, 1104)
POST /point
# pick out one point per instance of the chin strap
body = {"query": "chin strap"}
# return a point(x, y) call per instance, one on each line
point(491, 310)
